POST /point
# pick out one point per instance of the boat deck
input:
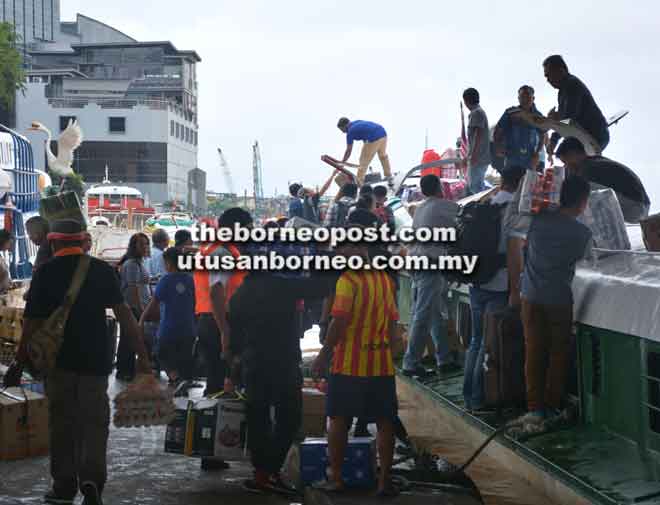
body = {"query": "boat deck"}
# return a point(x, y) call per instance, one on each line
point(594, 463)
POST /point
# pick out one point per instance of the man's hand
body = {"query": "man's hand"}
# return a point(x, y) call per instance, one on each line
point(514, 299)
point(320, 364)
point(143, 365)
point(553, 114)
point(13, 376)
point(228, 386)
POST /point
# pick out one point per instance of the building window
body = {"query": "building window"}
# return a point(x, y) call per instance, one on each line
point(187, 134)
point(171, 128)
point(117, 124)
point(195, 134)
point(64, 121)
point(178, 130)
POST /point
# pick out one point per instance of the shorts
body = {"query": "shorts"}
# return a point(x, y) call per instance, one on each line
point(176, 354)
point(369, 398)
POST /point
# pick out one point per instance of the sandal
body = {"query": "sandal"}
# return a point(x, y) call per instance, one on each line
point(389, 491)
point(329, 487)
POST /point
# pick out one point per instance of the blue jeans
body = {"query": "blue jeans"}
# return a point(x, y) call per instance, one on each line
point(481, 301)
point(476, 177)
point(429, 312)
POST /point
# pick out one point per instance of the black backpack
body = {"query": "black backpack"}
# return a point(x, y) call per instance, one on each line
point(478, 227)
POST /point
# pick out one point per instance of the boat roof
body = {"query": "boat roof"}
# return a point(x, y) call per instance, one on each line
point(621, 291)
point(113, 190)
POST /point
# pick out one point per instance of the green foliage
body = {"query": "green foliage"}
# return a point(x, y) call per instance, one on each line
point(12, 76)
point(219, 206)
point(73, 182)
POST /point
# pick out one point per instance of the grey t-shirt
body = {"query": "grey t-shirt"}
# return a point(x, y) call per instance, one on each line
point(477, 120)
point(433, 212)
point(136, 273)
point(555, 243)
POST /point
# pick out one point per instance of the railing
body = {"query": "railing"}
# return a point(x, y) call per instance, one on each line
point(107, 103)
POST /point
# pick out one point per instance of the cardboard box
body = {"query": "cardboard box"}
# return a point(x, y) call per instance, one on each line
point(175, 433)
point(314, 419)
point(231, 430)
point(23, 424)
point(604, 218)
point(651, 232)
point(358, 470)
point(206, 420)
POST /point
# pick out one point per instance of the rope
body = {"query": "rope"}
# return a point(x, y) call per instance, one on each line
point(641, 253)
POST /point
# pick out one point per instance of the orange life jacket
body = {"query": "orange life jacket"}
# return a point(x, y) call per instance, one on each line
point(203, 303)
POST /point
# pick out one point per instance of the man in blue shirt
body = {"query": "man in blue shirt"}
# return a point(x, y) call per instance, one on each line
point(519, 142)
point(374, 137)
point(295, 204)
point(160, 240)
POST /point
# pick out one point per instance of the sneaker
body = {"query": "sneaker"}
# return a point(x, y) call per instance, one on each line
point(52, 497)
point(210, 464)
point(91, 494)
point(279, 486)
point(418, 371)
point(449, 367)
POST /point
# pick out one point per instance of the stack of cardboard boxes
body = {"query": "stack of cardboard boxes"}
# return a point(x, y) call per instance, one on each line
point(23, 424)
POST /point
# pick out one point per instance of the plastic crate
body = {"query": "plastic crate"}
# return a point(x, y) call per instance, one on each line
point(18, 160)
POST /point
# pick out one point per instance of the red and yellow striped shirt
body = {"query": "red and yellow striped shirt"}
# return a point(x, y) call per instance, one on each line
point(366, 298)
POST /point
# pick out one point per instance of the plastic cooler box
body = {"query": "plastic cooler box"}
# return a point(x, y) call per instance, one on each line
point(358, 471)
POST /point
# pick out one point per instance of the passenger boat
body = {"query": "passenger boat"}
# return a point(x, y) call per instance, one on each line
point(171, 222)
point(118, 205)
point(611, 454)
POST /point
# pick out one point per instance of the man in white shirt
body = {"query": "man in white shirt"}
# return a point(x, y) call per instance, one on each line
point(488, 297)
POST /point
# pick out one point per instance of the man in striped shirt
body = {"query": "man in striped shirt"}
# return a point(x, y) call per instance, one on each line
point(361, 382)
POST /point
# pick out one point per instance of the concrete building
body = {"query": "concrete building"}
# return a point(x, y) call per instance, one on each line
point(34, 21)
point(136, 103)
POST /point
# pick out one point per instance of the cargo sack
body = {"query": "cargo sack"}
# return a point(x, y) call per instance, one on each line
point(44, 344)
point(62, 206)
point(541, 191)
point(604, 218)
point(478, 226)
point(504, 359)
point(143, 403)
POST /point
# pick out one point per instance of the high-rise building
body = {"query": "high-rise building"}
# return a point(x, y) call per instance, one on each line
point(136, 103)
point(33, 20)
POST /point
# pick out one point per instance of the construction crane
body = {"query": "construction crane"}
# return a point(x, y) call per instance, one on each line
point(256, 173)
point(226, 172)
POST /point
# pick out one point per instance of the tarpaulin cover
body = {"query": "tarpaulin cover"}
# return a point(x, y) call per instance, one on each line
point(621, 291)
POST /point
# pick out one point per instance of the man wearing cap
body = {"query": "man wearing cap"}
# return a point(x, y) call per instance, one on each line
point(374, 137)
point(77, 388)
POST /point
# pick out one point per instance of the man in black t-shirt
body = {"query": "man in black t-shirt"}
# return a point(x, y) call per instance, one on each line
point(603, 172)
point(77, 389)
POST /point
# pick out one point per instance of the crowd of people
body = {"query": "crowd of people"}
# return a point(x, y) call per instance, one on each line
point(246, 325)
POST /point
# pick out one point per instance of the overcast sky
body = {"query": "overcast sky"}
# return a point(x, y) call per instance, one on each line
point(284, 71)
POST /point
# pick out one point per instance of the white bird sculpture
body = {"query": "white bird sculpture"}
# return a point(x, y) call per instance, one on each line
point(69, 141)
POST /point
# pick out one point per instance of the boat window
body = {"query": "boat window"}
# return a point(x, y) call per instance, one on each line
point(653, 388)
point(115, 198)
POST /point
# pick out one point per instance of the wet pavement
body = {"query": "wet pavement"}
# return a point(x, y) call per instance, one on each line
point(140, 473)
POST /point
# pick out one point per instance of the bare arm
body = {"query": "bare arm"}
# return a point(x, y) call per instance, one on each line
point(220, 316)
point(327, 184)
point(152, 312)
point(477, 141)
point(347, 153)
point(514, 265)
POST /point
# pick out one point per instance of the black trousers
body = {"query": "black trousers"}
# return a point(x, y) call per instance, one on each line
point(211, 349)
point(125, 356)
point(279, 387)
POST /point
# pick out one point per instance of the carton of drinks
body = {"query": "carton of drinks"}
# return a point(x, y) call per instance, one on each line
point(143, 403)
